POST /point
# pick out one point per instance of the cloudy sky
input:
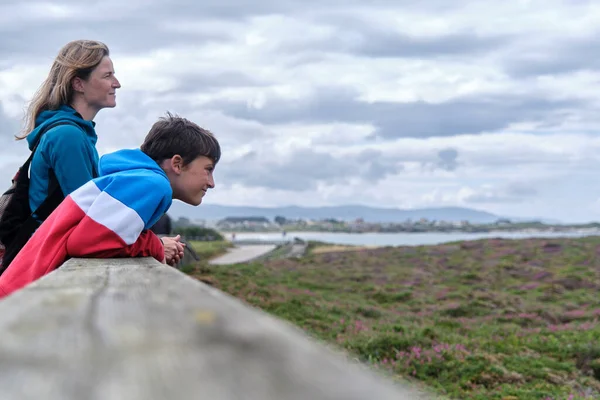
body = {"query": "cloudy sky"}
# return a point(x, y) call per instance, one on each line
point(484, 104)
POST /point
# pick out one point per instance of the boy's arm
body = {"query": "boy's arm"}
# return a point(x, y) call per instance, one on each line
point(115, 220)
point(147, 245)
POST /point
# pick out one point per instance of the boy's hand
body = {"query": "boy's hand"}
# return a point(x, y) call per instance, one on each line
point(173, 249)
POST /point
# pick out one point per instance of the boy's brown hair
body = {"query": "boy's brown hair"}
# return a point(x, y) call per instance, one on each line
point(172, 135)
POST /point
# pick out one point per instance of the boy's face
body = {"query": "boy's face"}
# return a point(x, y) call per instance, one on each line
point(193, 180)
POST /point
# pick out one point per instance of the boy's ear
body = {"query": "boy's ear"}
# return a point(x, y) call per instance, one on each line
point(176, 163)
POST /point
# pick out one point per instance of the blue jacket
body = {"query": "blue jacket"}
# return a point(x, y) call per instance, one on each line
point(70, 150)
point(106, 217)
point(138, 183)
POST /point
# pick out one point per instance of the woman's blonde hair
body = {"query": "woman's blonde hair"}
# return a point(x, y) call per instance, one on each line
point(76, 59)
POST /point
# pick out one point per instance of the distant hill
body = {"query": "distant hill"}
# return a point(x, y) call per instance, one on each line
point(349, 212)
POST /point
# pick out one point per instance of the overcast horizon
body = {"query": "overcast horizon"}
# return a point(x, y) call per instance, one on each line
point(485, 105)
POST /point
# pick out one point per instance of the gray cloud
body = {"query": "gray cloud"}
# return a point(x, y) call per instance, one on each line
point(136, 28)
point(9, 127)
point(376, 165)
point(513, 192)
point(12, 153)
point(356, 35)
point(226, 9)
point(382, 44)
point(561, 56)
point(201, 82)
point(130, 36)
point(448, 159)
point(467, 115)
point(305, 168)
point(521, 189)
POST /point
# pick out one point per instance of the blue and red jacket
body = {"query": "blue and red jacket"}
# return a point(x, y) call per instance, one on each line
point(109, 216)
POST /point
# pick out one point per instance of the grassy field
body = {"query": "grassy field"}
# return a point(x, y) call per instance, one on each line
point(207, 250)
point(490, 319)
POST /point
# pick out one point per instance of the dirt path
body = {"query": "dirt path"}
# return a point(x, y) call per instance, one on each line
point(243, 253)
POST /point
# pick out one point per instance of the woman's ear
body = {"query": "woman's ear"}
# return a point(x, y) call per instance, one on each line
point(77, 84)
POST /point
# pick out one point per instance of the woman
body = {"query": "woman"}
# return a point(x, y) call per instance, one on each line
point(81, 82)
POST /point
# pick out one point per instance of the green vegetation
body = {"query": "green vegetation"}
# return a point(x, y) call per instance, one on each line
point(488, 319)
point(198, 233)
point(208, 250)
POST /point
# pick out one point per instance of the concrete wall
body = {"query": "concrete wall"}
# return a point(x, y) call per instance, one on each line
point(136, 329)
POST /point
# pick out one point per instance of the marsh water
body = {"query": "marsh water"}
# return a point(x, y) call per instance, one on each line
point(407, 239)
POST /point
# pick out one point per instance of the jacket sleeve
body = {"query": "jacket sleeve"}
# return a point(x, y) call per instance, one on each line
point(70, 156)
point(147, 245)
point(115, 223)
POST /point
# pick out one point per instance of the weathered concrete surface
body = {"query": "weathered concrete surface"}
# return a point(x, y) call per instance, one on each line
point(240, 254)
point(130, 329)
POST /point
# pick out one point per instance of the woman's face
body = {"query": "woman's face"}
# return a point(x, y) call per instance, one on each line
point(99, 90)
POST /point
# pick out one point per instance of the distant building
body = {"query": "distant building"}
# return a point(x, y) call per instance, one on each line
point(243, 222)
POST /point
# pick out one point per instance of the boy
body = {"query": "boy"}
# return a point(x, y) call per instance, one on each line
point(110, 216)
